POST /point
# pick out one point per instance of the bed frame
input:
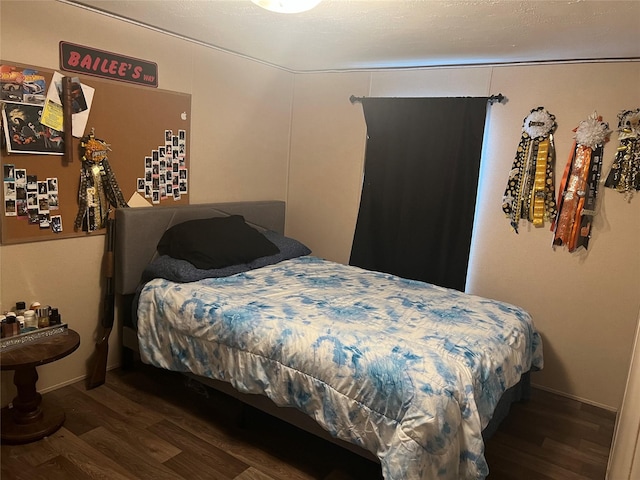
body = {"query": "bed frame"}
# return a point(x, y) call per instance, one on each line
point(138, 231)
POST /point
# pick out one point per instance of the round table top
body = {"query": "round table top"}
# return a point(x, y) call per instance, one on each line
point(41, 351)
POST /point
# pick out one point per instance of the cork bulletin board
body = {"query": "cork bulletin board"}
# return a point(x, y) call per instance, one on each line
point(136, 121)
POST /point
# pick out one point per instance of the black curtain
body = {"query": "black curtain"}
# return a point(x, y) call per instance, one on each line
point(420, 182)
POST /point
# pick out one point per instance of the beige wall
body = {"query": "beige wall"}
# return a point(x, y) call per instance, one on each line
point(258, 132)
point(585, 304)
point(239, 151)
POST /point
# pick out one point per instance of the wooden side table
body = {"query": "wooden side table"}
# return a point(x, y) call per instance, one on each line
point(31, 419)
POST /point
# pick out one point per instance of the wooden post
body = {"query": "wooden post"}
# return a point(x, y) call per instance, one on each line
point(67, 112)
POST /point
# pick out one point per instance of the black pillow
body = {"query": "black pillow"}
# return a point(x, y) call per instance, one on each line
point(182, 271)
point(215, 242)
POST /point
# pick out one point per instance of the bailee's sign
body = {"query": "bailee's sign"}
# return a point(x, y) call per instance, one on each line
point(89, 61)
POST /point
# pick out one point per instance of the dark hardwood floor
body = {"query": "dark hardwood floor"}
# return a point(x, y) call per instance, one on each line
point(147, 424)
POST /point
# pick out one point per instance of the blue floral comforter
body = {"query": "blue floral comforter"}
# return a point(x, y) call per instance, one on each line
point(409, 371)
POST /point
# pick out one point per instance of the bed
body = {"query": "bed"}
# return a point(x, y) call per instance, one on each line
point(412, 375)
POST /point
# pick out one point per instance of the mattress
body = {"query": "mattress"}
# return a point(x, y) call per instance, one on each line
point(409, 371)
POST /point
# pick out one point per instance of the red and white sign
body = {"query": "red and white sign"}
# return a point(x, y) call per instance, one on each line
point(89, 61)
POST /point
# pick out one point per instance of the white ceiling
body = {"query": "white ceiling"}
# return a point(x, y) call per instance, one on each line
point(362, 34)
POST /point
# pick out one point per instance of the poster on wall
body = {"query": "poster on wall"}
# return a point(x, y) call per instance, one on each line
point(21, 85)
point(25, 134)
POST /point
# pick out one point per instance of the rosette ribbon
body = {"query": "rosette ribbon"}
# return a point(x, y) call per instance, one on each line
point(578, 191)
point(99, 189)
point(530, 192)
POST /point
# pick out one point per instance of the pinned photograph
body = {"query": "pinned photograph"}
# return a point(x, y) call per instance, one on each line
point(9, 172)
point(43, 200)
point(56, 223)
point(21, 177)
point(54, 203)
point(21, 208)
point(32, 183)
point(10, 207)
point(78, 100)
point(11, 83)
point(25, 134)
point(44, 220)
point(33, 87)
point(32, 200)
point(10, 190)
point(52, 184)
point(43, 187)
point(34, 217)
point(52, 190)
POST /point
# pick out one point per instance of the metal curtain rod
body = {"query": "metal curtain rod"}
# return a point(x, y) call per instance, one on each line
point(492, 99)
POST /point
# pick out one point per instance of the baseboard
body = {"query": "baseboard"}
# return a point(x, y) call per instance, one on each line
point(70, 382)
point(574, 397)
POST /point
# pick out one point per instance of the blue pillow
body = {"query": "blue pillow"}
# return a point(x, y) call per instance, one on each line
point(182, 271)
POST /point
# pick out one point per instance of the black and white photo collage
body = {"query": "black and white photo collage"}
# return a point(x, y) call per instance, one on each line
point(31, 199)
point(165, 171)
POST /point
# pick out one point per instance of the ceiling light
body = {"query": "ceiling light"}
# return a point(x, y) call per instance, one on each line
point(287, 6)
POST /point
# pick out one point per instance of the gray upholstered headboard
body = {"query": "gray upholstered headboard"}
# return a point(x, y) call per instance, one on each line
point(138, 231)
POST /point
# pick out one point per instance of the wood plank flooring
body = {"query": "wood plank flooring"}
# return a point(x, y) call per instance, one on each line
point(147, 424)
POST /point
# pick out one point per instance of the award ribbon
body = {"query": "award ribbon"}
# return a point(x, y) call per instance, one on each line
point(579, 188)
point(624, 175)
point(530, 193)
point(99, 188)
